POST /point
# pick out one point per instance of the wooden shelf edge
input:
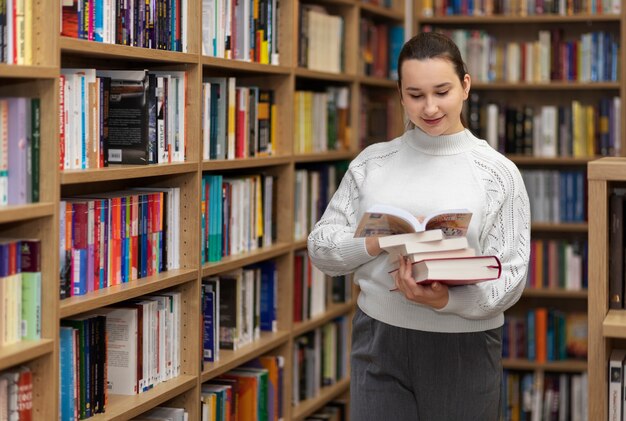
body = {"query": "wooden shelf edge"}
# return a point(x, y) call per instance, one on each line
point(21, 352)
point(384, 12)
point(307, 407)
point(377, 82)
point(248, 66)
point(324, 156)
point(232, 359)
point(239, 260)
point(614, 324)
point(332, 312)
point(541, 161)
point(28, 72)
point(328, 76)
point(300, 244)
point(554, 366)
point(499, 19)
point(25, 212)
point(117, 293)
point(555, 293)
point(121, 407)
point(581, 227)
point(607, 169)
point(123, 52)
point(553, 85)
point(234, 164)
point(122, 172)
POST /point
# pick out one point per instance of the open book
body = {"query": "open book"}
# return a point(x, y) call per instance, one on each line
point(382, 220)
point(457, 270)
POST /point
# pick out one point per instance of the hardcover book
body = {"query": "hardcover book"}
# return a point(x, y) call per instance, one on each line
point(457, 271)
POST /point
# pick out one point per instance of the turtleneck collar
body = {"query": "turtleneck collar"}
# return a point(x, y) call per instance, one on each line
point(451, 144)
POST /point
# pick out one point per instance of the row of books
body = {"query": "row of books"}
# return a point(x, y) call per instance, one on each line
point(126, 349)
point(241, 30)
point(236, 215)
point(16, 32)
point(314, 187)
point(617, 247)
point(321, 120)
point(237, 306)
point(558, 264)
point(237, 121)
point(593, 57)
point(578, 130)
point(252, 391)
point(20, 290)
point(617, 381)
point(556, 196)
point(20, 134)
point(313, 291)
point(520, 7)
point(378, 111)
point(544, 334)
point(16, 394)
point(320, 41)
point(380, 45)
point(544, 396)
point(163, 413)
point(320, 358)
point(158, 24)
point(113, 238)
point(121, 117)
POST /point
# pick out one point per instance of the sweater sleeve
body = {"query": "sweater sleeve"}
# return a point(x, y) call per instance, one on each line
point(506, 234)
point(331, 244)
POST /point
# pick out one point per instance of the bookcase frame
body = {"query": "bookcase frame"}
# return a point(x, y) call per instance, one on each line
point(51, 52)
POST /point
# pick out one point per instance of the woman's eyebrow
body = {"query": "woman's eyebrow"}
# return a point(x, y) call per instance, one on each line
point(441, 85)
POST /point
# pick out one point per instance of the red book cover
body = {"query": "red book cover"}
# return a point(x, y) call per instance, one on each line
point(25, 395)
point(61, 121)
point(70, 18)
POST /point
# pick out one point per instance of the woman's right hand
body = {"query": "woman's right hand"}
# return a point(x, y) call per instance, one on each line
point(372, 246)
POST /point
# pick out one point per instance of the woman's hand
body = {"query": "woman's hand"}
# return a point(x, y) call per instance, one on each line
point(434, 295)
point(372, 246)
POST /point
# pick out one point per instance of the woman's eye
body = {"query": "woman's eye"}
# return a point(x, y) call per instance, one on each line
point(416, 96)
point(442, 93)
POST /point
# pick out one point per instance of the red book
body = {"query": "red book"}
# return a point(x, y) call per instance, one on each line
point(25, 395)
point(455, 271)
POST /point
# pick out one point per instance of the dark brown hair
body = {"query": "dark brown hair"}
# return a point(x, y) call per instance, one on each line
point(428, 45)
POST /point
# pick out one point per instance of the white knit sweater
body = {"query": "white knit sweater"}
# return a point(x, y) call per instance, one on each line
point(423, 174)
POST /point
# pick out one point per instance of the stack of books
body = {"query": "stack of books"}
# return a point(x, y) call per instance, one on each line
point(436, 245)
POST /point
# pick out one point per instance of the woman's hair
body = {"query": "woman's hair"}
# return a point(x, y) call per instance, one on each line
point(429, 45)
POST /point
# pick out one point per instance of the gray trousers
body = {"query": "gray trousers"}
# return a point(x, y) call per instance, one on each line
point(401, 374)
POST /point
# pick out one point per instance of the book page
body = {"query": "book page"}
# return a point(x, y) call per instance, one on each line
point(453, 224)
point(382, 224)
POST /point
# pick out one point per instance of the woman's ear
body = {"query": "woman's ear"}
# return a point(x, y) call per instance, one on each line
point(467, 83)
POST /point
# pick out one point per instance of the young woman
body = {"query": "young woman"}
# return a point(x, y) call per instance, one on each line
point(428, 352)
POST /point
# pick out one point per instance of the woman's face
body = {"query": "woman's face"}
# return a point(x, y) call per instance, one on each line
point(432, 95)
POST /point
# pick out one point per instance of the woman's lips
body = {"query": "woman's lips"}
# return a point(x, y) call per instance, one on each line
point(432, 122)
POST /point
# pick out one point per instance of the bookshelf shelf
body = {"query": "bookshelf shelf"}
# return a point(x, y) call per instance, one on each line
point(579, 227)
point(244, 66)
point(28, 72)
point(377, 82)
point(324, 156)
point(102, 50)
point(337, 2)
point(239, 260)
point(307, 407)
point(25, 212)
point(124, 172)
point(611, 169)
point(547, 86)
point(379, 11)
point(555, 293)
point(501, 19)
point(117, 293)
point(614, 324)
point(125, 407)
point(554, 366)
point(300, 244)
point(231, 359)
point(234, 164)
point(21, 352)
point(564, 161)
point(331, 77)
point(331, 312)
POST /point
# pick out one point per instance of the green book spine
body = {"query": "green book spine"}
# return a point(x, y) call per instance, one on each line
point(31, 305)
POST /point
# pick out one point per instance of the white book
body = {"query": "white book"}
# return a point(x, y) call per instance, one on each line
point(456, 243)
point(549, 129)
point(492, 125)
point(122, 337)
point(616, 361)
point(446, 254)
point(390, 243)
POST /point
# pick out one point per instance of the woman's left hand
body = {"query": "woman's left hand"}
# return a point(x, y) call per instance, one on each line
point(434, 295)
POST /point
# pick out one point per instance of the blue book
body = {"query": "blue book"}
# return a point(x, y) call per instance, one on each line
point(66, 364)
point(208, 317)
point(396, 40)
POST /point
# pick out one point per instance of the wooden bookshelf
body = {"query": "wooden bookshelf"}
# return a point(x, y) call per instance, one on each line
point(607, 328)
point(53, 52)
